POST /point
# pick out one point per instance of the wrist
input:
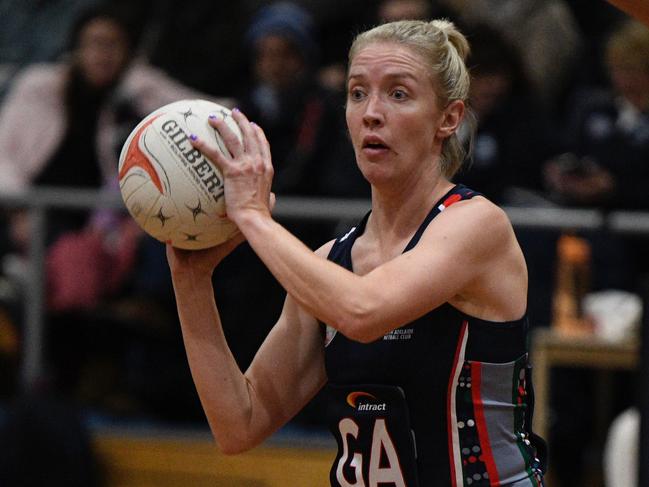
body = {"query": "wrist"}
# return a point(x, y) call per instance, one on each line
point(249, 218)
point(191, 279)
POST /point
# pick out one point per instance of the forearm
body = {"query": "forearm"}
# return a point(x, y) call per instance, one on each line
point(329, 292)
point(222, 387)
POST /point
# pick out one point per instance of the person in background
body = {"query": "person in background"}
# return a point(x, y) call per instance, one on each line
point(513, 136)
point(546, 34)
point(393, 10)
point(302, 119)
point(605, 166)
point(62, 125)
point(608, 135)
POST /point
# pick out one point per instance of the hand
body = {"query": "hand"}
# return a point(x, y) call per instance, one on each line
point(200, 262)
point(247, 169)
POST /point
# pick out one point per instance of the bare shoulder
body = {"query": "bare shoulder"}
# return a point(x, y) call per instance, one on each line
point(477, 221)
point(484, 240)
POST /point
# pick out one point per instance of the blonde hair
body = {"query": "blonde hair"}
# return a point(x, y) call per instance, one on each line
point(629, 46)
point(444, 49)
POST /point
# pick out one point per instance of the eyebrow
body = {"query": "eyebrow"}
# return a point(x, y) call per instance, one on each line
point(396, 75)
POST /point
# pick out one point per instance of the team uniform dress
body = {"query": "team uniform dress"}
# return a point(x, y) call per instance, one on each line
point(445, 400)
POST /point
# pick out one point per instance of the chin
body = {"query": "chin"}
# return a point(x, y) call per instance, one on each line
point(375, 174)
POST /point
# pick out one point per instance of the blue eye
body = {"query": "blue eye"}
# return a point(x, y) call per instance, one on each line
point(356, 94)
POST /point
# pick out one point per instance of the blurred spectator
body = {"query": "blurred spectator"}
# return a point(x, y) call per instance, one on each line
point(545, 33)
point(199, 42)
point(606, 167)
point(392, 10)
point(302, 120)
point(63, 124)
point(513, 135)
point(44, 442)
point(596, 21)
point(609, 132)
point(36, 31)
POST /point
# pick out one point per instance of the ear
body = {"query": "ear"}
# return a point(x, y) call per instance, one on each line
point(451, 118)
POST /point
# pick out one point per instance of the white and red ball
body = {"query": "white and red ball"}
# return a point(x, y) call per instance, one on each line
point(171, 190)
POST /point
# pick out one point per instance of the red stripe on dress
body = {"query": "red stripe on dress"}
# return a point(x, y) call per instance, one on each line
point(481, 424)
point(450, 404)
point(454, 198)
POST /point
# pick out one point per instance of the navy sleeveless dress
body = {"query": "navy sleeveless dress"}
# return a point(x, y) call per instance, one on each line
point(444, 400)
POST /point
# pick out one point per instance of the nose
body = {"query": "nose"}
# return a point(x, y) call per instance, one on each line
point(374, 114)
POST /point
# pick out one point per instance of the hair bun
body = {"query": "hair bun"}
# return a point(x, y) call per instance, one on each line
point(454, 36)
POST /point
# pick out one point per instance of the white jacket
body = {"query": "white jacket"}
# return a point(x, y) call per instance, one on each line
point(32, 119)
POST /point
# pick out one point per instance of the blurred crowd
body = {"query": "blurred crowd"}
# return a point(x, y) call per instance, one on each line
point(560, 93)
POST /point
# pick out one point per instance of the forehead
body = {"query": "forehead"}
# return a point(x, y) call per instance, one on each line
point(102, 27)
point(388, 59)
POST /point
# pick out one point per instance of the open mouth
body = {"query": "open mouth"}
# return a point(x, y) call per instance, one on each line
point(374, 146)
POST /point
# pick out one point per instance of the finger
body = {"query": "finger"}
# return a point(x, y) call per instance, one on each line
point(230, 142)
point(264, 147)
point(247, 131)
point(213, 153)
point(259, 154)
point(258, 140)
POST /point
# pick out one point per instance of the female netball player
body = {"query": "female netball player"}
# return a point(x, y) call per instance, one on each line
point(415, 319)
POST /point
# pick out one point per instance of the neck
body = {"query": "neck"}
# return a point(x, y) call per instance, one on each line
point(398, 214)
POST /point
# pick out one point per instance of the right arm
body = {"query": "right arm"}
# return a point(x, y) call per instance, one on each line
point(243, 409)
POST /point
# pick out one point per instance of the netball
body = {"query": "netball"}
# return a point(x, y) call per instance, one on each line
point(172, 191)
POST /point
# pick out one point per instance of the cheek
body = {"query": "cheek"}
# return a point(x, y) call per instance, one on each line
point(416, 126)
point(352, 119)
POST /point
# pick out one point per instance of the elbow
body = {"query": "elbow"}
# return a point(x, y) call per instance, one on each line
point(230, 449)
point(361, 325)
point(233, 446)
point(234, 441)
point(362, 336)
point(361, 315)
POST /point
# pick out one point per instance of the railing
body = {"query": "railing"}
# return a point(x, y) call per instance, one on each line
point(38, 202)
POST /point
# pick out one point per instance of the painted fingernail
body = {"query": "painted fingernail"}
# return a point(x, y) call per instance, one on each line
point(235, 109)
point(193, 136)
point(212, 116)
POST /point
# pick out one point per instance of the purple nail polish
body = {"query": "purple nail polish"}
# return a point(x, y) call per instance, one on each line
point(235, 109)
point(193, 136)
point(212, 116)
